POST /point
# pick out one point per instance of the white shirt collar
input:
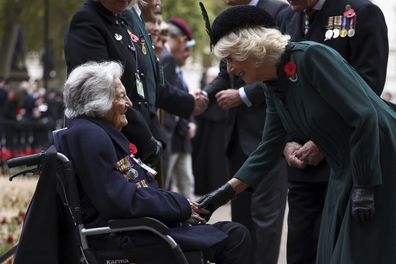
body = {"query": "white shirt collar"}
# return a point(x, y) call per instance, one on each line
point(253, 2)
point(319, 5)
point(167, 48)
point(137, 9)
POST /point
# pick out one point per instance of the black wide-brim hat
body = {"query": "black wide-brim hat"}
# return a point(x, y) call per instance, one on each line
point(239, 17)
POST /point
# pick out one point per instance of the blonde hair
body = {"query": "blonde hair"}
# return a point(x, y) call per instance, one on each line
point(259, 42)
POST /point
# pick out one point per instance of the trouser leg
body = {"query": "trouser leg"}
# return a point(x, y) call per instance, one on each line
point(268, 207)
point(306, 201)
point(184, 176)
point(169, 173)
point(236, 249)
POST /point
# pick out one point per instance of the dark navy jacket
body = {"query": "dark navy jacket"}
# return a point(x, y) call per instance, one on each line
point(94, 148)
point(95, 34)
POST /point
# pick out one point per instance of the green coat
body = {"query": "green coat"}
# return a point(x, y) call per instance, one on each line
point(330, 104)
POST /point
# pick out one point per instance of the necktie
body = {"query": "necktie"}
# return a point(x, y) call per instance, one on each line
point(182, 81)
point(308, 18)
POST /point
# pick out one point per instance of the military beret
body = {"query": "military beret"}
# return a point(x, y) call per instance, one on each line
point(238, 17)
point(182, 25)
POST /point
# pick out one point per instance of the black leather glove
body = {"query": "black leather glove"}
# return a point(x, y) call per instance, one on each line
point(152, 152)
point(362, 204)
point(212, 201)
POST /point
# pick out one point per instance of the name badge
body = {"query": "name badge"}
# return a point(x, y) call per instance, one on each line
point(139, 86)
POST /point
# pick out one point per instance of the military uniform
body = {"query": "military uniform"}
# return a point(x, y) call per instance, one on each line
point(96, 34)
point(164, 95)
point(355, 131)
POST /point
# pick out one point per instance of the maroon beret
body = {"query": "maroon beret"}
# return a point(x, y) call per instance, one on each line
point(182, 25)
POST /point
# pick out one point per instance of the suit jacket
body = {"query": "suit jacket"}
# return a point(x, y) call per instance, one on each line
point(244, 124)
point(175, 128)
point(95, 34)
point(367, 51)
point(165, 96)
point(107, 191)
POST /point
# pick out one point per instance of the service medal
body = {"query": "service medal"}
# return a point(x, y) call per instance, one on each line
point(143, 45)
point(343, 33)
point(336, 33)
point(144, 49)
point(337, 26)
point(132, 173)
point(329, 27)
point(329, 34)
point(352, 20)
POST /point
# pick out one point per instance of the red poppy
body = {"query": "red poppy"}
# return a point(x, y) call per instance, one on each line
point(134, 38)
point(132, 148)
point(290, 69)
point(10, 240)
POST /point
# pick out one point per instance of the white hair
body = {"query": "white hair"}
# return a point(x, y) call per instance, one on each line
point(259, 42)
point(90, 89)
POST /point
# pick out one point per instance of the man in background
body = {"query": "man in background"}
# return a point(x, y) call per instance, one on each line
point(261, 211)
point(179, 131)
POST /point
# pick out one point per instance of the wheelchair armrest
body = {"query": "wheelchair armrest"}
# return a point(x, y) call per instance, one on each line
point(142, 221)
point(29, 160)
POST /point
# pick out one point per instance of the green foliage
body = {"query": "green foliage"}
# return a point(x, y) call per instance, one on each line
point(30, 15)
point(190, 11)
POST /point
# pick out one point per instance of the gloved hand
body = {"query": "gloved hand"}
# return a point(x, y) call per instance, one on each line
point(212, 201)
point(152, 151)
point(362, 204)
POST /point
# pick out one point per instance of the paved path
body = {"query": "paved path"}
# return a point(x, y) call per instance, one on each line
point(223, 213)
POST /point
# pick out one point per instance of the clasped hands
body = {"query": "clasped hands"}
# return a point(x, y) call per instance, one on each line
point(362, 198)
point(228, 98)
point(201, 102)
point(208, 203)
point(299, 156)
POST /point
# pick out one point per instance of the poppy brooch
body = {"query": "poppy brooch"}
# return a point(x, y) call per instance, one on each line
point(290, 70)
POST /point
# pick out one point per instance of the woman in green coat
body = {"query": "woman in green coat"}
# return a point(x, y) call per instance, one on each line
point(312, 93)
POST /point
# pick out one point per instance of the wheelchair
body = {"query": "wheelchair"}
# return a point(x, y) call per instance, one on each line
point(54, 220)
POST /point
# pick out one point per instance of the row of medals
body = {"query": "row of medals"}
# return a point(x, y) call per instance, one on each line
point(341, 26)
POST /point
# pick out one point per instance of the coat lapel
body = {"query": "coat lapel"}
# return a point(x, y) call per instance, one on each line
point(116, 136)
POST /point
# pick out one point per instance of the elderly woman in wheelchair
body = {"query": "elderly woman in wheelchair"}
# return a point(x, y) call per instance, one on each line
point(113, 184)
